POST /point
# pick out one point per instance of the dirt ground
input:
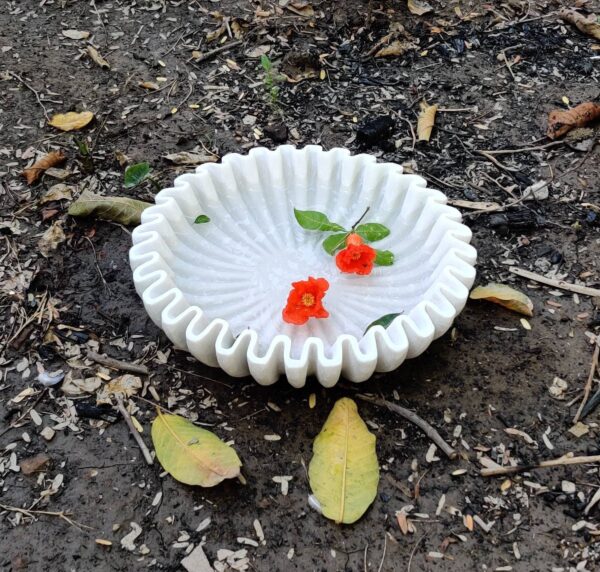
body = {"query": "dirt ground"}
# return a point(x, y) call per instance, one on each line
point(487, 375)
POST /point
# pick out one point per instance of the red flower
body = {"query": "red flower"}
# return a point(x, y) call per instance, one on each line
point(356, 258)
point(305, 301)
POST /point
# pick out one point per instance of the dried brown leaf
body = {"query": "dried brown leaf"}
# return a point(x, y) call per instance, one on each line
point(50, 240)
point(419, 7)
point(57, 192)
point(33, 173)
point(97, 58)
point(561, 122)
point(426, 121)
point(190, 158)
point(34, 464)
point(396, 48)
point(589, 25)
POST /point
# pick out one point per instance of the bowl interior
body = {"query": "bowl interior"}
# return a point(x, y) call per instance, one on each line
point(240, 265)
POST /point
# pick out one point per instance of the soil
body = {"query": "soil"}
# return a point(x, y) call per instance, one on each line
point(488, 374)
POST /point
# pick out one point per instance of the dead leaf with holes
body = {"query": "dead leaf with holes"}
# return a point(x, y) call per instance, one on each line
point(419, 7)
point(589, 25)
point(123, 386)
point(33, 173)
point(97, 58)
point(504, 296)
point(561, 122)
point(71, 121)
point(51, 239)
point(426, 121)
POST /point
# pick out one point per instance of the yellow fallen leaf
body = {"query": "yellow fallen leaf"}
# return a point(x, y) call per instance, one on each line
point(419, 7)
point(71, 121)
point(192, 455)
point(344, 472)
point(504, 296)
point(117, 209)
point(426, 121)
point(312, 400)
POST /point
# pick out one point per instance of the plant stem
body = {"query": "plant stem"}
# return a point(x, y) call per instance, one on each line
point(361, 217)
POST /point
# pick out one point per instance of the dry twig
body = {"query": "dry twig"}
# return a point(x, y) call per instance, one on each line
point(500, 471)
point(415, 419)
point(31, 513)
point(584, 290)
point(134, 432)
point(590, 380)
point(118, 364)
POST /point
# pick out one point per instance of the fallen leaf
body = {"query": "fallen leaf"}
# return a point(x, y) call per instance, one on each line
point(135, 174)
point(57, 192)
point(344, 471)
point(149, 85)
point(426, 121)
point(419, 7)
point(33, 173)
point(190, 158)
point(50, 240)
point(76, 34)
point(301, 7)
point(579, 429)
point(589, 25)
point(396, 48)
point(97, 58)
point(71, 121)
point(561, 122)
point(34, 464)
point(259, 51)
point(123, 386)
point(78, 387)
point(192, 455)
point(504, 296)
point(118, 209)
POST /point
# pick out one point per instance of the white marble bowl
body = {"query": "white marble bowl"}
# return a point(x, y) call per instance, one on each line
point(218, 289)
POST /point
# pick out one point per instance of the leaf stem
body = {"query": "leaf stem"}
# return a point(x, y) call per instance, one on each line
point(361, 217)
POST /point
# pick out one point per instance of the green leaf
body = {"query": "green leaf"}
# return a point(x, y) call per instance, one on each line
point(384, 258)
point(344, 472)
point(384, 321)
point(314, 220)
point(266, 63)
point(118, 209)
point(201, 219)
point(334, 242)
point(372, 231)
point(192, 455)
point(135, 174)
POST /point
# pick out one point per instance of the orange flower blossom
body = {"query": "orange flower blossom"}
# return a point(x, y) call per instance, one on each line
point(305, 301)
point(356, 258)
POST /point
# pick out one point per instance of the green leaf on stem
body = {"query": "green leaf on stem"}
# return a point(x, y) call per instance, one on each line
point(315, 220)
point(372, 231)
point(135, 174)
point(384, 258)
point(201, 219)
point(335, 242)
point(384, 321)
